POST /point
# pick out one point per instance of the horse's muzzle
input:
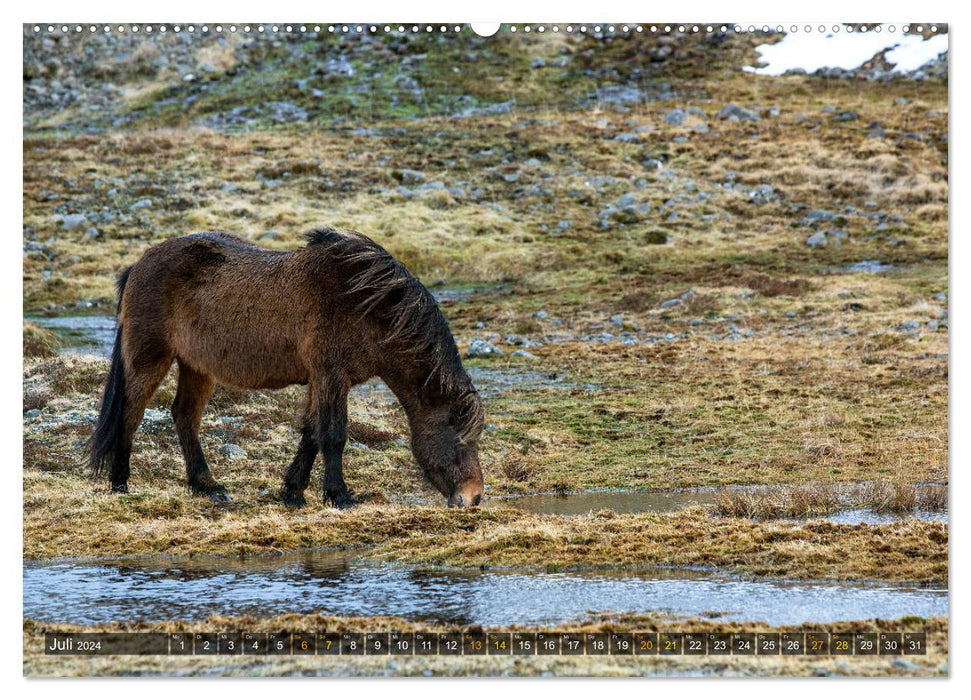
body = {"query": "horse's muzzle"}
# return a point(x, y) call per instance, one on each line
point(465, 498)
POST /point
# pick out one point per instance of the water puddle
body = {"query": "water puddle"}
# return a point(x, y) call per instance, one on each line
point(489, 381)
point(327, 583)
point(870, 267)
point(866, 516)
point(81, 335)
point(444, 296)
point(623, 502)
point(492, 381)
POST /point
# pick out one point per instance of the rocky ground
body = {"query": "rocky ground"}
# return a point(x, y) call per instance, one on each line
point(668, 272)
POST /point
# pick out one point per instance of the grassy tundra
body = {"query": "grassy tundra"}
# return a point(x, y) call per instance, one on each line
point(688, 289)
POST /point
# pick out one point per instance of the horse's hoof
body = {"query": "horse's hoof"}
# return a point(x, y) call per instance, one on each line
point(344, 501)
point(220, 497)
point(215, 492)
point(294, 500)
point(119, 488)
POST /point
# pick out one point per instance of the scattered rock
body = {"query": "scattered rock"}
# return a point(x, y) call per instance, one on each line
point(876, 131)
point(676, 117)
point(846, 116)
point(678, 300)
point(602, 337)
point(408, 177)
point(870, 267)
point(617, 95)
point(837, 236)
point(763, 194)
point(73, 221)
point(817, 240)
point(285, 112)
point(482, 348)
point(627, 200)
point(522, 341)
point(627, 210)
point(156, 421)
point(818, 216)
point(338, 67)
point(485, 110)
point(734, 113)
point(233, 452)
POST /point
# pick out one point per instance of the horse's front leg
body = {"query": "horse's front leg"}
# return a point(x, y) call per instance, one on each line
point(298, 475)
point(331, 438)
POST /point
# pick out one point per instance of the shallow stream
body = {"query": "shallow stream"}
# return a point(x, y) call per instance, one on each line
point(330, 583)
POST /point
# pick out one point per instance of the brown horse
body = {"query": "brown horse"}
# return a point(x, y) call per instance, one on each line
point(331, 315)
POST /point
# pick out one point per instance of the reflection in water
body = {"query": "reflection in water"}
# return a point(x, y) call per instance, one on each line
point(335, 584)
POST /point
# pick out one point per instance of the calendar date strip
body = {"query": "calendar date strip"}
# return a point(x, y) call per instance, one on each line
point(488, 644)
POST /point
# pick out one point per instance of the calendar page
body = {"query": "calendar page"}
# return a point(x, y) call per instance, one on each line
point(449, 349)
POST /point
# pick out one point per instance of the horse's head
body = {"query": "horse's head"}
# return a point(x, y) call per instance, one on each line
point(445, 441)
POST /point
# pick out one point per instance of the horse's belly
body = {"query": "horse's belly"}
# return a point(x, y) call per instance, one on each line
point(243, 360)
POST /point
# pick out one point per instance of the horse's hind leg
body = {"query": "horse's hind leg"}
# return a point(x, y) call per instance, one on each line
point(195, 389)
point(140, 383)
point(298, 475)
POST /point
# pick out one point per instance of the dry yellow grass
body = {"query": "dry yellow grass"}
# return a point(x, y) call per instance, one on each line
point(806, 500)
point(909, 550)
point(39, 342)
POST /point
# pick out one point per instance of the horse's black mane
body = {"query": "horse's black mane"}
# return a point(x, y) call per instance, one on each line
point(383, 286)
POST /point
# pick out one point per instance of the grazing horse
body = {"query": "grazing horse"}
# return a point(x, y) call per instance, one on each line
point(329, 315)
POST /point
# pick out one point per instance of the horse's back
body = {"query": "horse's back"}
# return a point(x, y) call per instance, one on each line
point(168, 276)
point(222, 305)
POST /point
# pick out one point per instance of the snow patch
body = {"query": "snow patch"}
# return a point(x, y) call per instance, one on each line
point(810, 51)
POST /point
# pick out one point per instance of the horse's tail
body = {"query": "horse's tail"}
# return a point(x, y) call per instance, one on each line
point(108, 433)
